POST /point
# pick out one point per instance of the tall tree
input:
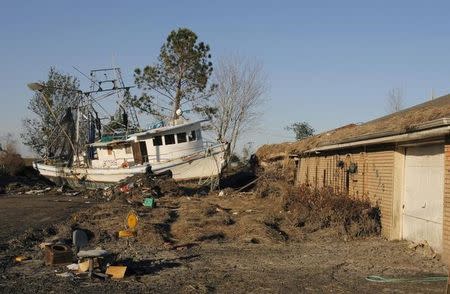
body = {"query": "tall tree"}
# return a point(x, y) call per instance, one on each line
point(395, 100)
point(301, 130)
point(40, 131)
point(241, 86)
point(180, 76)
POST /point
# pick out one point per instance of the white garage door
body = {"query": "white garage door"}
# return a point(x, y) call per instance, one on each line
point(424, 195)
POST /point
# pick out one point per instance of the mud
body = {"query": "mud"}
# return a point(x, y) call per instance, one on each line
point(228, 242)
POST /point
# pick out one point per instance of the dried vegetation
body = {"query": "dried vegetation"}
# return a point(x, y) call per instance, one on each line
point(274, 212)
point(199, 233)
point(314, 209)
point(396, 123)
point(11, 163)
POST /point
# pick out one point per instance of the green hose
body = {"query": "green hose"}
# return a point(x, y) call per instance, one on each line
point(379, 279)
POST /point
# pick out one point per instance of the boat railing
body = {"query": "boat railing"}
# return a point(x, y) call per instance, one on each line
point(54, 162)
point(211, 144)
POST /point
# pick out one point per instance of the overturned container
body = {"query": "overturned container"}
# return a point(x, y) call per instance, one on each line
point(57, 254)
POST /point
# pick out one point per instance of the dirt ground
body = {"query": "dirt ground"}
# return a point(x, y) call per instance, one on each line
point(232, 242)
point(19, 213)
point(313, 266)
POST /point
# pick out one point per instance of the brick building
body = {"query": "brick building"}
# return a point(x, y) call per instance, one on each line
point(400, 161)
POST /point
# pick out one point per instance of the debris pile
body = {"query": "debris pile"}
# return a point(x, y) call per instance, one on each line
point(29, 180)
point(135, 189)
point(319, 209)
point(316, 209)
point(145, 215)
point(424, 248)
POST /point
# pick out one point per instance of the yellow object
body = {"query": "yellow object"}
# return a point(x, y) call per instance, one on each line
point(83, 266)
point(126, 234)
point(132, 221)
point(116, 272)
point(21, 258)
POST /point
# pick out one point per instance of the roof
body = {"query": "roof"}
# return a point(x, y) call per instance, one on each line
point(108, 143)
point(118, 140)
point(165, 129)
point(405, 121)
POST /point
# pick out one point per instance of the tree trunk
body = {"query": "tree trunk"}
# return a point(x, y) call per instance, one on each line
point(177, 102)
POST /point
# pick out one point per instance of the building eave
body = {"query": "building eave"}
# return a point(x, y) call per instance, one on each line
point(410, 136)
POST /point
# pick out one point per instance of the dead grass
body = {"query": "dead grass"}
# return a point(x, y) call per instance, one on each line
point(275, 212)
point(316, 209)
point(396, 123)
point(320, 209)
point(11, 163)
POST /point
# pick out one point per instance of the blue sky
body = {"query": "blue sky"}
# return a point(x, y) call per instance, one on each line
point(328, 62)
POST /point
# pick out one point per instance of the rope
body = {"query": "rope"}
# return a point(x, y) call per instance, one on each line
point(102, 97)
point(380, 279)
point(248, 184)
point(57, 122)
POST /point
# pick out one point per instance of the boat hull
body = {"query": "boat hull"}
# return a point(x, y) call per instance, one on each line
point(201, 165)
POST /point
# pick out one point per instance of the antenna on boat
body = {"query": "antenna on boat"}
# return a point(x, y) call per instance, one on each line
point(104, 82)
point(110, 79)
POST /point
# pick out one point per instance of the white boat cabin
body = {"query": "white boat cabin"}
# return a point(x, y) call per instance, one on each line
point(152, 146)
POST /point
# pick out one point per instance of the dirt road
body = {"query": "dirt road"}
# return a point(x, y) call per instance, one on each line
point(19, 213)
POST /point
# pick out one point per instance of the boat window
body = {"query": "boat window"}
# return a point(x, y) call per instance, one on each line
point(109, 148)
point(128, 149)
point(181, 137)
point(157, 141)
point(169, 139)
point(192, 136)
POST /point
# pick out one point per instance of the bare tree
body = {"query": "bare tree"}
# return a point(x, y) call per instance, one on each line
point(241, 85)
point(394, 100)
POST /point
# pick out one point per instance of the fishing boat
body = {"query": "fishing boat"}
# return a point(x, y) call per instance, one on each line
point(178, 149)
point(174, 147)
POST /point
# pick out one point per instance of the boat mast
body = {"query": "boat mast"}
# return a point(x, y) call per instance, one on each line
point(110, 79)
point(104, 82)
point(77, 135)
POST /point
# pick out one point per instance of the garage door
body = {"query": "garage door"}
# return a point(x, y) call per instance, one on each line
point(424, 195)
